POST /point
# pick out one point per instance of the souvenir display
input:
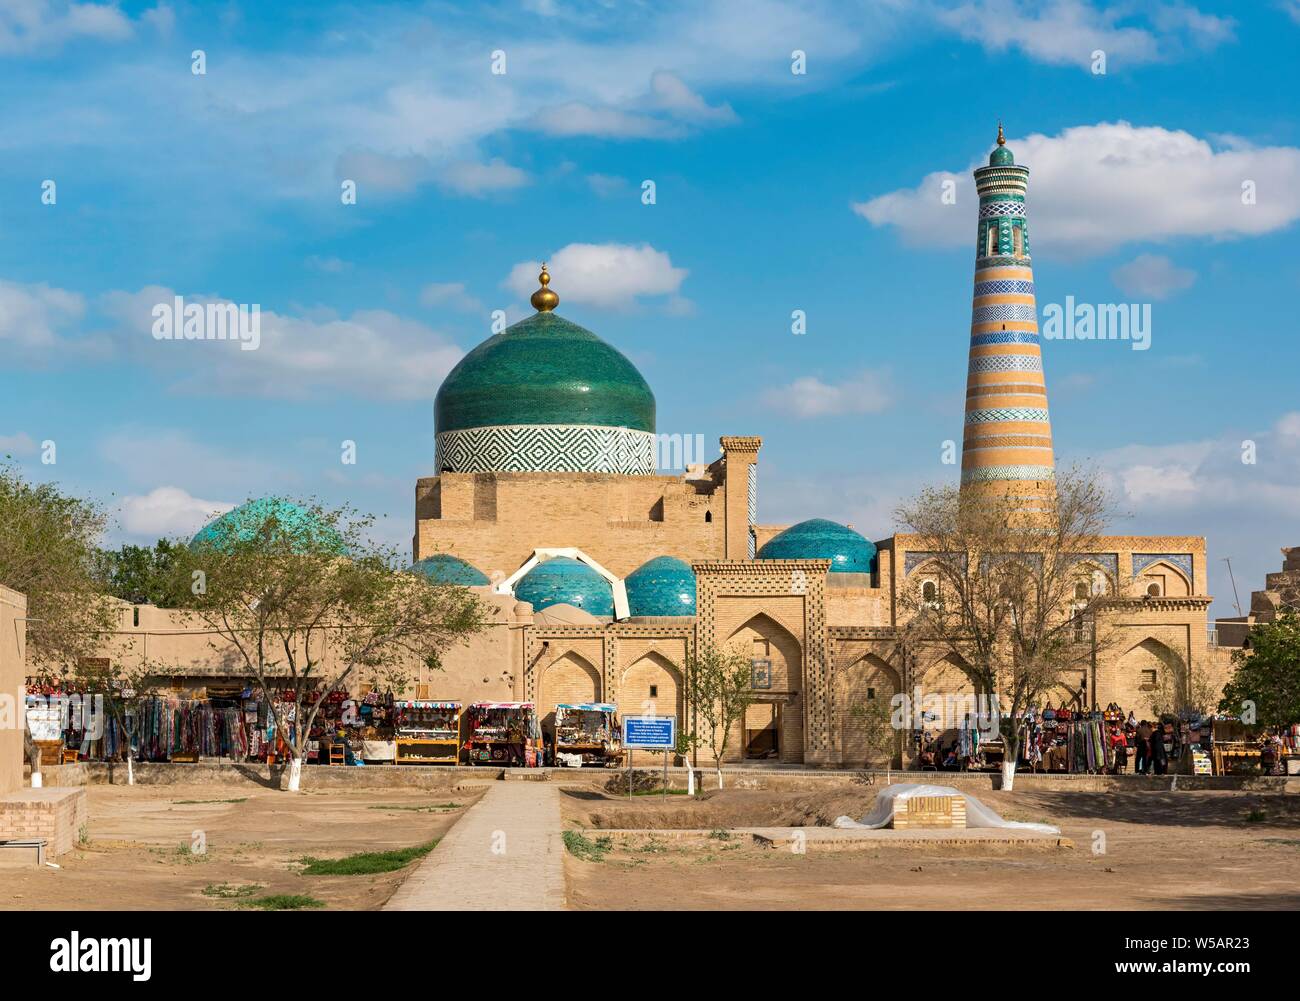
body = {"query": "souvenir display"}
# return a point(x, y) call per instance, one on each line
point(427, 732)
point(502, 733)
point(587, 733)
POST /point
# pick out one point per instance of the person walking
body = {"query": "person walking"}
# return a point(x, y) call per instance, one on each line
point(1143, 763)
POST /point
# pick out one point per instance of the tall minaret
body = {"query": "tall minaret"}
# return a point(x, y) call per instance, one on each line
point(1007, 445)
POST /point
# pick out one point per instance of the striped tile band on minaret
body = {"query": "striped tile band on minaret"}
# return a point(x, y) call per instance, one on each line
point(1007, 444)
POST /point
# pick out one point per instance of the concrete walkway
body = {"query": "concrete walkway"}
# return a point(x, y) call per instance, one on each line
point(505, 853)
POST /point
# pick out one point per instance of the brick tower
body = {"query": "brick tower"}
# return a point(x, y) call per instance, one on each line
point(1007, 442)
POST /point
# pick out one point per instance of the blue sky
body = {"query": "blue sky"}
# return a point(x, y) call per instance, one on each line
point(775, 192)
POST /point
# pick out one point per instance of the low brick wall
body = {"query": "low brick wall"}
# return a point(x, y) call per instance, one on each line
point(53, 813)
point(436, 777)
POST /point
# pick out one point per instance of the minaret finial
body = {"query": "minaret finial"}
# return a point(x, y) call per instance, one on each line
point(1002, 140)
point(544, 300)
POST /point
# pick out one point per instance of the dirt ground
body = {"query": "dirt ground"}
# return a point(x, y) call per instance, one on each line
point(137, 854)
point(1168, 850)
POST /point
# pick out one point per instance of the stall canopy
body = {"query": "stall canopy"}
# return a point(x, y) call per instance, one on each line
point(502, 705)
point(589, 707)
point(424, 704)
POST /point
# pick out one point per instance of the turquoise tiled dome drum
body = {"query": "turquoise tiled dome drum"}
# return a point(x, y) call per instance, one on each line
point(245, 521)
point(562, 580)
point(819, 539)
point(661, 586)
point(443, 568)
point(545, 395)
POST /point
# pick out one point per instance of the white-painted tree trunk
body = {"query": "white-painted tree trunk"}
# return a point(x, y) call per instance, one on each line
point(130, 767)
point(719, 774)
point(1008, 775)
point(37, 781)
point(690, 778)
point(295, 774)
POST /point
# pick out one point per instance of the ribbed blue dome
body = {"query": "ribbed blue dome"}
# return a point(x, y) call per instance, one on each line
point(661, 586)
point(562, 580)
point(245, 521)
point(819, 539)
point(443, 568)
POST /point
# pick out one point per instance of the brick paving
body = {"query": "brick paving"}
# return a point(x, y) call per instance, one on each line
point(505, 853)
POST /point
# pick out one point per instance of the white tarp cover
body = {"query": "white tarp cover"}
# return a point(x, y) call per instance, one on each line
point(977, 814)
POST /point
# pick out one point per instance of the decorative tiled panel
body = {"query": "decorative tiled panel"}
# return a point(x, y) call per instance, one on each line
point(1002, 207)
point(752, 501)
point(1183, 561)
point(1004, 337)
point(1007, 363)
point(1004, 311)
point(987, 474)
point(547, 448)
point(1004, 286)
point(1000, 414)
point(1107, 561)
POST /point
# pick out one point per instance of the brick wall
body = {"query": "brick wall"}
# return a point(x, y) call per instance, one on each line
point(55, 814)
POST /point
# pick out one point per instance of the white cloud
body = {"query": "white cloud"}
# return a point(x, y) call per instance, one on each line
point(576, 118)
point(469, 178)
point(32, 25)
point(372, 353)
point(328, 265)
point(607, 185)
point(1093, 188)
point(38, 325)
point(384, 173)
point(611, 275)
point(450, 294)
point(807, 397)
point(17, 444)
point(1067, 32)
point(166, 512)
point(1152, 276)
point(672, 94)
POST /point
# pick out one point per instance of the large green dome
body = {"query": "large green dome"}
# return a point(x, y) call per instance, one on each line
point(545, 395)
point(282, 517)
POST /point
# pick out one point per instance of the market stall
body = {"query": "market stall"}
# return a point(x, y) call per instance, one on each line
point(502, 733)
point(427, 732)
point(587, 733)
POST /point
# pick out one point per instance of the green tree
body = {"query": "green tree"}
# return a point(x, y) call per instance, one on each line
point(720, 686)
point(1267, 675)
point(1012, 595)
point(48, 552)
point(307, 605)
point(143, 575)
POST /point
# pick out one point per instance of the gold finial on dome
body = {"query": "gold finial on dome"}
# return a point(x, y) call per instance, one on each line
point(1002, 140)
point(544, 300)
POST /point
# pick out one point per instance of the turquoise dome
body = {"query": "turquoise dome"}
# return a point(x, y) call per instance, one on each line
point(562, 580)
point(544, 370)
point(661, 586)
point(247, 519)
point(819, 539)
point(443, 568)
point(1001, 157)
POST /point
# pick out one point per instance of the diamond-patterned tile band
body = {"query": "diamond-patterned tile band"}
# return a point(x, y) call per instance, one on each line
point(547, 448)
point(995, 415)
point(1002, 207)
point(1004, 337)
point(985, 474)
point(1006, 363)
point(1004, 311)
point(1004, 286)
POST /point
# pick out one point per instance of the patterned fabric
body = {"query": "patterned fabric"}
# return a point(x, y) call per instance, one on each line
point(547, 448)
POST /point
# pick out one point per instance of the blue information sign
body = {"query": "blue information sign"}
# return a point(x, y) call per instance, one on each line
point(655, 732)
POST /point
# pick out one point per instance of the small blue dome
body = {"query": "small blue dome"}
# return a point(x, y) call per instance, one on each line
point(819, 539)
point(245, 521)
point(562, 580)
point(661, 586)
point(443, 568)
